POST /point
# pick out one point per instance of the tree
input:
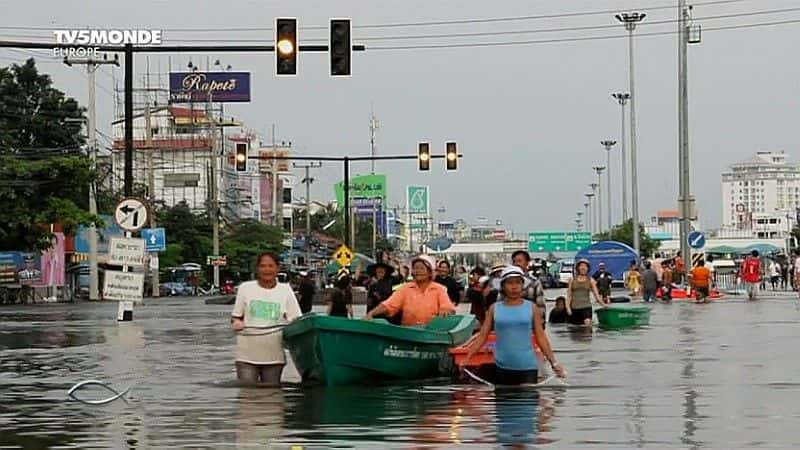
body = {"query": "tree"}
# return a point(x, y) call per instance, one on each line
point(363, 228)
point(44, 175)
point(624, 233)
point(189, 230)
point(245, 240)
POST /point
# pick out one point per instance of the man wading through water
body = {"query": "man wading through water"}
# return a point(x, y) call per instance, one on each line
point(262, 307)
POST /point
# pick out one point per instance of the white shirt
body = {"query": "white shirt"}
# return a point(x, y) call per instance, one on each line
point(260, 307)
point(797, 265)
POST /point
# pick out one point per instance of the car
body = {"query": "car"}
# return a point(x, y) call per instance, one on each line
point(566, 268)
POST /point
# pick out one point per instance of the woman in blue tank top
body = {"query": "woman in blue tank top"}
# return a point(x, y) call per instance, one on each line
point(515, 325)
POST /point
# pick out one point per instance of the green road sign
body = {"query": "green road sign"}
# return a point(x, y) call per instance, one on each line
point(418, 200)
point(364, 186)
point(558, 241)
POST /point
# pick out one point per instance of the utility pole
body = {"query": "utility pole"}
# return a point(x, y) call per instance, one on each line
point(589, 215)
point(275, 210)
point(630, 20)
point(307, 181)
point(622, 98)
point(599, 170)
point(91, 127)
point(212, 185)
point(151, 188)
point(608, 144)
point(683, 133)
point(373, 128)
point(586, 223)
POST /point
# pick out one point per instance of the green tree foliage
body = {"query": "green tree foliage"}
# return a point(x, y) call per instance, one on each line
point(191, 231)
point(244, 241)
point(44, 176)
point(624, 233)
point(363, 231)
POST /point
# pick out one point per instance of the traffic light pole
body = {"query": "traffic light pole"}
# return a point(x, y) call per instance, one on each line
point(346, 160)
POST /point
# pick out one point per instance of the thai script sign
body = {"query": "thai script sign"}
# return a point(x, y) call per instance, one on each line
point(209, 86)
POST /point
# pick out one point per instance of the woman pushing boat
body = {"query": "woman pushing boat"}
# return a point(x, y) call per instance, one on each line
point(420, 300)
point(579, 292)
point(262, 307)
point(515, 322)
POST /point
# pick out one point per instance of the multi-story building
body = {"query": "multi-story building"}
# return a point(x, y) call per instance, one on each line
point(762, 188)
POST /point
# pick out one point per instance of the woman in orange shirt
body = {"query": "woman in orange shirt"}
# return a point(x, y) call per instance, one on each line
point(701, 281)
point(421, 300)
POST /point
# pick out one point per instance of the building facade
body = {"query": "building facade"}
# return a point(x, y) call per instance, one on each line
point(756, 191)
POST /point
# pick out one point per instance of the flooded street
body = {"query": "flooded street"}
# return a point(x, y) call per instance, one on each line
point(715, 376)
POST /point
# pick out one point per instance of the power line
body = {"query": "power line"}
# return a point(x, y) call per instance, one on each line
point(418, 24)
point(575, 39)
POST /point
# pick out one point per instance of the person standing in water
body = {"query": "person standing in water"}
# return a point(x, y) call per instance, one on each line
point(579, 292)
point(340, 303)
point(261, 307)
point(516, 323)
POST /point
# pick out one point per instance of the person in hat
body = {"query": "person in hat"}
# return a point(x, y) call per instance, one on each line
point(579, 292)
point(381, 287)
point(604, 279)
point(516, 323)
point(340, 300)
point(420, 300)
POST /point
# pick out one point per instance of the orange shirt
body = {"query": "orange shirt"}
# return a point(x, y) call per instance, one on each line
point(701, 276)
point(419, 307)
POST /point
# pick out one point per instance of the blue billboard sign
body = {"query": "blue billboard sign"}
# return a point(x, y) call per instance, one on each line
point(104, 236)
point(187, 87)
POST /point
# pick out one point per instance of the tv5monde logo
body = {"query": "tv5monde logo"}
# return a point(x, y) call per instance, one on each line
point(87, 41)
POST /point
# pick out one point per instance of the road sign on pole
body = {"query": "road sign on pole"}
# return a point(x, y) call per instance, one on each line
point(155, 239)
point(126, 252)
point(131, 214)
point(418, 200)
point(697, 240)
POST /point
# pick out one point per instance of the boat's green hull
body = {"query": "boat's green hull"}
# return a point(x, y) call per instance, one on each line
point(335, 351)
point(617, 317)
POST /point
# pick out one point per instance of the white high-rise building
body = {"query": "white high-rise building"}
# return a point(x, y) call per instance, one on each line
point(763, 187)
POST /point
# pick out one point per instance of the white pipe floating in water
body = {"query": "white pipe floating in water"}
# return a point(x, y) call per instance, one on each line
point(71, 392)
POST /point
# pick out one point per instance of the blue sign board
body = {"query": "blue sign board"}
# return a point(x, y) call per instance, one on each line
point(104, 236)
point(697, 240)
point(155, 239)
point(185, 87)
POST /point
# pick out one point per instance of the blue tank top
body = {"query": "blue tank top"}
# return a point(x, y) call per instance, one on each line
point(513, 326)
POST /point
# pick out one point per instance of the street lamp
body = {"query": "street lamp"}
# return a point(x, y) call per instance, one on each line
point(586, 215)
point(608, 144)
point(622, 98)
point(599, 170)
point(630, 20)
point(596, 213)
point(579, 219)
point(589, 218)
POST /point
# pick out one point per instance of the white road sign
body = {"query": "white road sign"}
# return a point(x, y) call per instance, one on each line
point(123, 286)
point(126, 252)
point(131, 214)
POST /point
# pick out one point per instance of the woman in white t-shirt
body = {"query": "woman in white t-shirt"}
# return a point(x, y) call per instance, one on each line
point(262, 307)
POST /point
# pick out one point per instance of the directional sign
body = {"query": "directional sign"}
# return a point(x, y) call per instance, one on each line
point(558, 241)
point(126, 252)
point(131, 214)
point(697, 240)
point(155, 239)
point(217, 260)
point(123, 286)
point(343, 256)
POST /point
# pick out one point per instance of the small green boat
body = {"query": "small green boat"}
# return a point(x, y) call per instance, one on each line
point(335, 351)
point(618, 316)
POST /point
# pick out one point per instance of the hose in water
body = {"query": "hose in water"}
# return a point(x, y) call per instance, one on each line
point(118, 395)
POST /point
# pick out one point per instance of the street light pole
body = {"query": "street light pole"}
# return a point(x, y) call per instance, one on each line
point(622, 98)
point(599, 170)
point(590, 215)
point(608, 144)
point(586, 222)
point(308, 180)
point(596, 212)
point(684, 194)
point(630, 20)
point(579, 220)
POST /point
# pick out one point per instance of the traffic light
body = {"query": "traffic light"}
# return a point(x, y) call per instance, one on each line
point(340, 47)
point(452, 156)
point(241, 157)
point(424, 157)
point(286, 46)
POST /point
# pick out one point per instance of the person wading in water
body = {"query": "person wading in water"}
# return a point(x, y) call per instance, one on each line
point(515, 322)
point(262, 307)
point(579, 292)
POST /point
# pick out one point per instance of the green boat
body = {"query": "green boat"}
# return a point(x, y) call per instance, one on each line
point(617, 316)
point(335, 351)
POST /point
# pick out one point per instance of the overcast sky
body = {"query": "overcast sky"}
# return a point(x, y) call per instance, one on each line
point(528, 118)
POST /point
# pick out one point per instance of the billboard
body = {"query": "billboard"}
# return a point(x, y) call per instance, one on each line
point(185, 87)
point(34, 268)
point(364, 186)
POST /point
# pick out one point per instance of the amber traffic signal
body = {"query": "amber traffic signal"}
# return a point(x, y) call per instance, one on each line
point(286, 46)
point(424, 156)
point(241, 157)
point(451, 156)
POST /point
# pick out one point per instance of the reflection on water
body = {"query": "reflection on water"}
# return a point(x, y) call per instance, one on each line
point(716, 376)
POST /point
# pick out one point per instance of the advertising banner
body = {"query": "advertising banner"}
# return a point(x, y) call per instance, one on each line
point(185, 87)
point(365, 186)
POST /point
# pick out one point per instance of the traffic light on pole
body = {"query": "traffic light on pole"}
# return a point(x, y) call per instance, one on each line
point(451, 156)
point(340, 47)
point(424, 157)
point(286, 46)
point(241, 157)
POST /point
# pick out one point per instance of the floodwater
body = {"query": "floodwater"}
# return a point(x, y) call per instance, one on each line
point(715, 376)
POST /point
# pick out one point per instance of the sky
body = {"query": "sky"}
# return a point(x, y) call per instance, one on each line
point(528, 118)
